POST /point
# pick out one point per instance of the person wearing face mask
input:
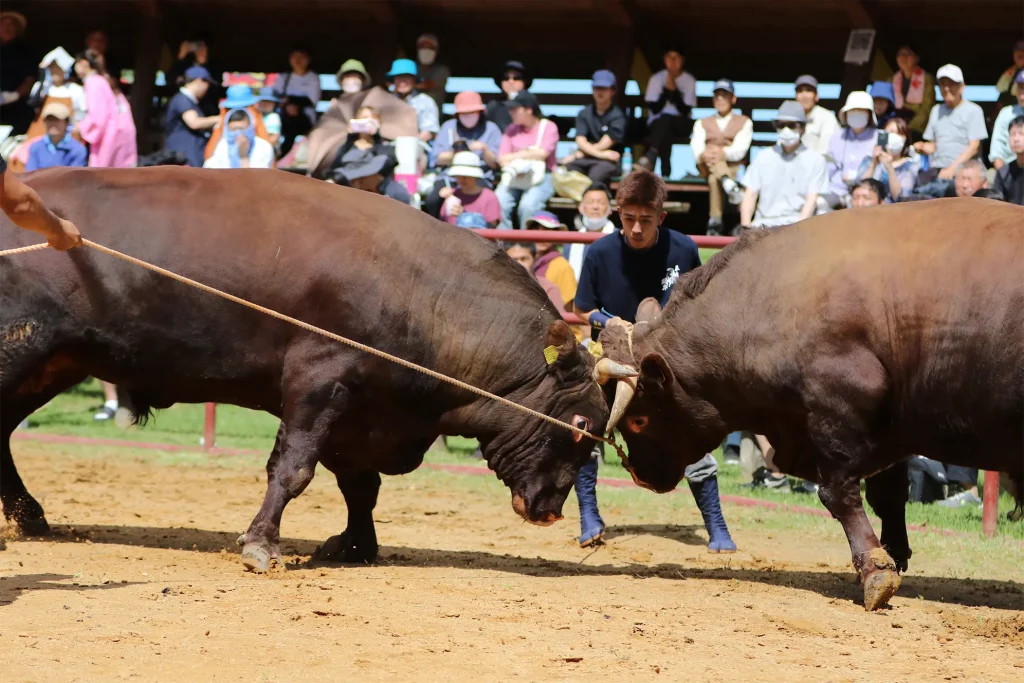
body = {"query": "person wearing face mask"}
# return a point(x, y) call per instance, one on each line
point(784, 181)
point(469, 131)
point(893, 162)
point(512, 81)
point(353, 77)
point(850, 146)
point(433, 76)
point(239, 147)
point(594, 216)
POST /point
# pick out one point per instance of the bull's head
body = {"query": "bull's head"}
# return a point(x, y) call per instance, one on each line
point(662, 424)
point(539, 461)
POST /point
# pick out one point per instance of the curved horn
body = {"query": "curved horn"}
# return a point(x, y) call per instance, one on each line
point(607, 369)
point(624, 392)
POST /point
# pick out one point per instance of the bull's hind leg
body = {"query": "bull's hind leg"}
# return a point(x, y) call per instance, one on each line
point(887, 494)
point(358, 543)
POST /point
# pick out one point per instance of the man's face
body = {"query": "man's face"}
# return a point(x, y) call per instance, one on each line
point(512, 82)
point(1017, 139)
point(640, 225)
point(404, 84)
point(235, 126)
point(723, 101)
point(199, 88)
point(807, 97)
point(674, 62)
point(863, 196)
point(968, 181)
point(55, 128)
point(950, 90)
point(97, 40)
point(603, 97)
point(906, 59)
point(594, 204)
point(299, 61)
point(522, 256)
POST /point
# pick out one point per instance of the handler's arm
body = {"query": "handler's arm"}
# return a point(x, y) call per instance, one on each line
point(25, 209)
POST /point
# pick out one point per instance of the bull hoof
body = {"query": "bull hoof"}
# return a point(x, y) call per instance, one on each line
point(28, 515)
point(1016, 515)
point(257, 557)
point(881, 580)
point(36, 526)
point(342, 548)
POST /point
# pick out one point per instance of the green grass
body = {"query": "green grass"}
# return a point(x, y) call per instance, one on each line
point(71, 414)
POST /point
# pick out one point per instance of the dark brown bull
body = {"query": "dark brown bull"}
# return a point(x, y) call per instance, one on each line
point(361, 265)
point(851, 341)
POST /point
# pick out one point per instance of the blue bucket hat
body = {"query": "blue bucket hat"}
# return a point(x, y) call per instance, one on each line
point(884, 90)
point(266, 94)
point(239, 97)
point(402, 67)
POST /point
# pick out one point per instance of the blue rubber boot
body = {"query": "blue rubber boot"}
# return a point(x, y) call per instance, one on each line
point(706, 495)
point(591, 524)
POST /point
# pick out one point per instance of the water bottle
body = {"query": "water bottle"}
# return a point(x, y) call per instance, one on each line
point(627, 161)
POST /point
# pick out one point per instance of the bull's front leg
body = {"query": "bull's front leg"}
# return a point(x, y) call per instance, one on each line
point(887, 494)
point(841, 496)
point(358, 543)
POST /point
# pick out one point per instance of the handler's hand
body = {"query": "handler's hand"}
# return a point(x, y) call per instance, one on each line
point(67, 238)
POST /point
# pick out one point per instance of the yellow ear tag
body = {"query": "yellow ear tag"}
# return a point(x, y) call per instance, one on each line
point(596, 350)
point(551, 354)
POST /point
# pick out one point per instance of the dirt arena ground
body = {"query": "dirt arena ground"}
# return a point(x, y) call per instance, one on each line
point(143, 581)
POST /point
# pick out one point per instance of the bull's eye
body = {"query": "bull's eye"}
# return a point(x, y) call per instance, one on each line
point(583, 423)
point(637, 424)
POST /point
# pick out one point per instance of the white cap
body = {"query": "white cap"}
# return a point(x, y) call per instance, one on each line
point(952, 72)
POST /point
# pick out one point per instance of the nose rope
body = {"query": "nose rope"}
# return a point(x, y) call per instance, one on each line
point(331, 335)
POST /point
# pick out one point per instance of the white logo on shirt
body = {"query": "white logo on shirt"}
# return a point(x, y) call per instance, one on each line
point(671, 275)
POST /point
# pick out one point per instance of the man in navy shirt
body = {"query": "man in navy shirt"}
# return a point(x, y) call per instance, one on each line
point(619, 271)
point(187, 129)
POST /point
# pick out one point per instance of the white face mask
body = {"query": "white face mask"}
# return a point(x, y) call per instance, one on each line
point(895, 144)
point(789, 137)
point(593, 224)
point(469, 120)
point(857, 119)
point(426, 56)
point(351, 85)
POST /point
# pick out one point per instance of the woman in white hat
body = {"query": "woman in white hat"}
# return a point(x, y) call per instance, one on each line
point(470, 196)
point(848, 148)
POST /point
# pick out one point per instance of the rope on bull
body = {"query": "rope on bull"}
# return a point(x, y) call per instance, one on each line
point(330, 335)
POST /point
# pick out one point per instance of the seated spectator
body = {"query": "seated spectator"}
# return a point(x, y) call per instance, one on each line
point(1008, 86)
point(526, 157)
point(784, 181)
point(893, 163)
point(594, 215)
point(96, 40)
point(965, 481)
point(240, 96)
point(357, 160)
point(1000, 152)
point(267, 106)
point(239, 147)
point(720, 143)
point(353, 77)
point(470, 196)
point(57, 147)
point(55, 86)
point(185, 125)
point(970, 178)
point(671, 94)
point(525, 254)
point(373, 174)
point(469, 131)
point(298, 91)
point(513, 80)
point(1010, 178)
point(885, 101)
point(433, 76)
point(867, 192)
point(822, 124)
point(600, 133)
point(850, 147)
point(954, 134)
point(550, 262)
point(914, 89)
point(404, 79)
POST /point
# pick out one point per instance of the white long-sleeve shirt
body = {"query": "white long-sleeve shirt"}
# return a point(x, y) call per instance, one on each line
point(822, 124)
point(734, 152)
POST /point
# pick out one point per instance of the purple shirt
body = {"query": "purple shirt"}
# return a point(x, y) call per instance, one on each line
point(846, 151)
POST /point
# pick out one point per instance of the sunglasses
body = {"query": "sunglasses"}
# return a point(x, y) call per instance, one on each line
point(779, 125)
point(512, 77)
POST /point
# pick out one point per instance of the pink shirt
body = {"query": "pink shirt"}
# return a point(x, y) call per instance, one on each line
point(517, 138)
point(108, 126)
point(486, 203)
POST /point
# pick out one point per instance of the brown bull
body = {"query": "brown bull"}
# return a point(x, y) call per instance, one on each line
point(852, 341)
point(358, 264)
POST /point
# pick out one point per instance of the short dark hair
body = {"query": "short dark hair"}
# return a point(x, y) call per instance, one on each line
point(875, 186)
point(529, 246)
point(641, 188)
point(1017, 121)
point(673, 46)
point(239, 115)
point(95, 60)
point(602, 188)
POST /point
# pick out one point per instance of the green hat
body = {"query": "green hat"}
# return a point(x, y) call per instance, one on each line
point(354, 66)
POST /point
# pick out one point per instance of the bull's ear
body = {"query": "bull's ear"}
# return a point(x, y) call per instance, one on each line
point(649, 311)
point(560, 343)
point(654, 369)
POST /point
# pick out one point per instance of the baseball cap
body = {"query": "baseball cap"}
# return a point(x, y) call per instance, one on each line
point(724, 84)
point(603, 78)
point(57, 110)
point(525, 98)
point(808, 80)
point(952, 72)
point(545, 220)
point(791, 111)
point(427, 39)
point(194, 72)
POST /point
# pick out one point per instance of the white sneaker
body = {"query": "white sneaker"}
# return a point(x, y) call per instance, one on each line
point(962, 499)
point(733, 189)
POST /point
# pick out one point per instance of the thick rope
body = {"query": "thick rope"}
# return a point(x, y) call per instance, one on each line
point(330, 335)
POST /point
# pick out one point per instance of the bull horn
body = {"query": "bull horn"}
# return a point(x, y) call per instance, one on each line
point(607, 369)
point(624, 392)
